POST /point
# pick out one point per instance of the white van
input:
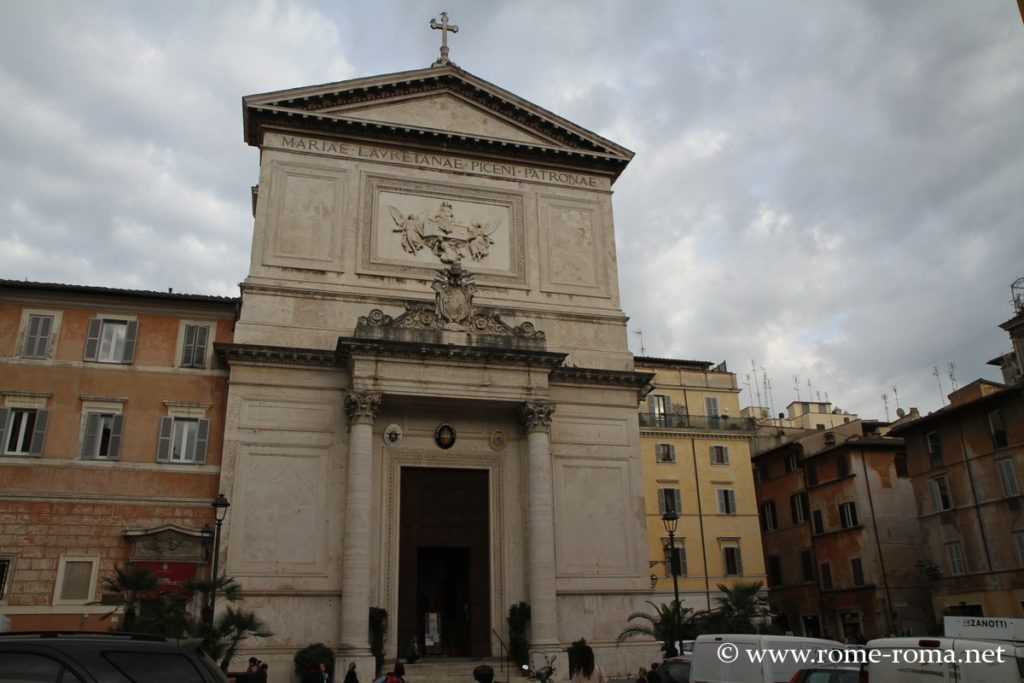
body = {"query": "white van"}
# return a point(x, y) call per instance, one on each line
point(753, 658)
point(944, 660)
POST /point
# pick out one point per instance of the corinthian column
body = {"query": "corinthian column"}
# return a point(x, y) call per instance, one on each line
point(540, 541)
point(361, 408)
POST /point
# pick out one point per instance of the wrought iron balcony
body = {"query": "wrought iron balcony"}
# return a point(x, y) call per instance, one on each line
point(723, 423)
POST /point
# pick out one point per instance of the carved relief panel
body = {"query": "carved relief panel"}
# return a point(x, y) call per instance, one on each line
point(302, 223)
point(417, 227)
point(573, 258)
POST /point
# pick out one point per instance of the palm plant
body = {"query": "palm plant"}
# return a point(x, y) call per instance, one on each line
point(134, 583)
point(226, 588)
point(231, 628)
point(661, 625)
point(742, 608)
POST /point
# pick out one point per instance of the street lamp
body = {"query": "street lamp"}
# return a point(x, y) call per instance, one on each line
point(220, 506)
point(671, 521)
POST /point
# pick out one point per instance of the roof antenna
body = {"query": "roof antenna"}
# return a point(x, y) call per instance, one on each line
point(640, 333)
point(885, 402)
point(942, 396)
point(952, 374)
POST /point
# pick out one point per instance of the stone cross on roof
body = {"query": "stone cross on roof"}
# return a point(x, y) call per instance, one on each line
point(445, 27)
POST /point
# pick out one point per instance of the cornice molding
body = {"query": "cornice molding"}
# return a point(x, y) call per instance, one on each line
point(260, 354)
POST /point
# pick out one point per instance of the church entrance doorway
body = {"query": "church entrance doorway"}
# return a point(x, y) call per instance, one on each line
point(444, 562)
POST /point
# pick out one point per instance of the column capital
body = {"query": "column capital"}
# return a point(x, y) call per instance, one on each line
point(536, 415)
point(362, 406)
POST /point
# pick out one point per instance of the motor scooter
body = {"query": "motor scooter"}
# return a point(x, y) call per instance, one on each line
point(544, 674)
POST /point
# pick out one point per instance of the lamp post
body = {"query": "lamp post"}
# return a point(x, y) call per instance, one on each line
point(671, 521)
point(220, 506)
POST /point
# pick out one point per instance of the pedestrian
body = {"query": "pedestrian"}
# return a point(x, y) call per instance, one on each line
point(653, 676)
point(312, 674)
point(350, 675)
point(586, 670)
point(254, 666)
point(641, 676)
point(396, 675)
point(483, 674)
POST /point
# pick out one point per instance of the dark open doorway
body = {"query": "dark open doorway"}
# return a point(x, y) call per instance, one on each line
point(444, 562)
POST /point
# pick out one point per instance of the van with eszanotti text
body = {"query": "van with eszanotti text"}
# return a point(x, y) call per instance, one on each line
point(753, 658)
point(944, 660)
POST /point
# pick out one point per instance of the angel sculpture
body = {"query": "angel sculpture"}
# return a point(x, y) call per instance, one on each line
point(443, 235)
point(411, 227)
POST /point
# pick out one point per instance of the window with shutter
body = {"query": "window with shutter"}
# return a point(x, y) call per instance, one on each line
point(848, 515)
point(23, 430)
point(719, 455)
point(37, 336)
point(111, 341)
point(1011, 487)
point(726, 501)
point(102, 437)
point(942, 497)
point(665, 452)
point(733, 561)
point(669, 500)
point(194, 344)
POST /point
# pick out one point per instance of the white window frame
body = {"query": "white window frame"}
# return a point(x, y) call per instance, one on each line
point(955, 558)
point(169, 433)
point(207, 355)
point(677, 500)
point(711, 407)
point(660, 407)
point(800, 507)
point(934, 448)
point(101, 406)
point(719, 454)
point(6, 577)
point(726, 501)
point(733, 546)
point(792, 463)
point(848, 515)
point(1007, 472)
point(99, 325)
point(51, 345)
point(665, 453)
point(769, 516)
point(936, 486)
point(93, 578)
point(24, 401)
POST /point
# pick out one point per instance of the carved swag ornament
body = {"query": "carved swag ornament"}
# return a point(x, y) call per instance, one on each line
point(452, 310)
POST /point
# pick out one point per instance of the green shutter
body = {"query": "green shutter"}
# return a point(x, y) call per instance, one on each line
point(39, 433)
point(92, 421)
point(92, 341)
point(163, 447)
point(129, 341)
point(114, 449)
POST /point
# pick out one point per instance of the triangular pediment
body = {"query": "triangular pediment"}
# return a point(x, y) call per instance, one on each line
point(444, 111)
point(444, 106)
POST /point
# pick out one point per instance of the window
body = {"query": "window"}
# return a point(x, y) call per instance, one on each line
point(37, 336)
point(155, 667)
point(934, 449)
point(183, 440)
point(848, 515)
point(807, 562)
point(769, 520)
point(711, 408)
point(1011, 487)
point(665, 452)
point(842, 464)
point(811, 470)
point(764, 470)
point(111, 341)
point(792, 462)
point(826, 575)
point(956, 559)
point(900, 462)
point(25, 666)
point(76, 580)
point(719, 455)
point(675, 563)
point(996, 429)
point(660, 406)
point(1019, 540)
point(857, 568)
point(6, 565)
point(819, 522)
point(101, 438)
point(194, 343)
point(726, 501)
point(799, 507)
point(23, 430)
point(942, 497)
point(733, 561)
point(669, 501)
point(774, 570)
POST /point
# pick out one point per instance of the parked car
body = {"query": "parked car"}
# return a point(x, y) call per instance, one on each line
point(915, 666)
point(828, 674)
point(675, 670)
point(730, 657)
point(79, 657)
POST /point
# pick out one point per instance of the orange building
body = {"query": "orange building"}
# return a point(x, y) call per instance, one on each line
point(111, 424)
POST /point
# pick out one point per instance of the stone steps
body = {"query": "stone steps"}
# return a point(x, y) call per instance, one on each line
point(457, 670)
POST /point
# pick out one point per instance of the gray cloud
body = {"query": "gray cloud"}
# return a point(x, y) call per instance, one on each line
point(829, 189)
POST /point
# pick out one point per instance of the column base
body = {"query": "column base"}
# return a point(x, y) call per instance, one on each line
point(366, 664)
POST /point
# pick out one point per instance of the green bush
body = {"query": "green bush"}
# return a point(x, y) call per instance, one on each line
point(518, 645)
point(314, 655)
point(378, 629)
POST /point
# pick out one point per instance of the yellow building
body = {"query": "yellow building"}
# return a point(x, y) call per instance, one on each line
point(695, 448)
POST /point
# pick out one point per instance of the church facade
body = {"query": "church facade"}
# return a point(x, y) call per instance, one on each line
point(432, 407)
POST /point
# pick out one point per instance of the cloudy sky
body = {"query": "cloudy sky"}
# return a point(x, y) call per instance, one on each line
point(832, 191)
